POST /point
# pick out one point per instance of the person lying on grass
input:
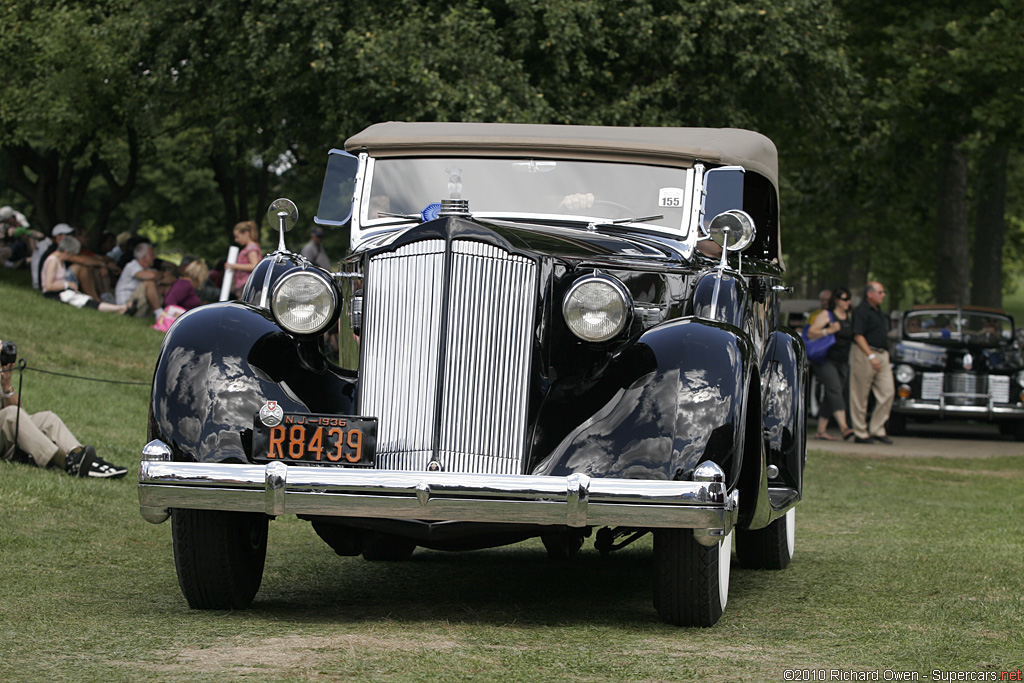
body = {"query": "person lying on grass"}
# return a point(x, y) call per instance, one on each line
point(42, 439)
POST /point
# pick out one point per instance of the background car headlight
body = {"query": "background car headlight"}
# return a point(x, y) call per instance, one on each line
point(904, 374)
point(596, 308)
point(303, 302)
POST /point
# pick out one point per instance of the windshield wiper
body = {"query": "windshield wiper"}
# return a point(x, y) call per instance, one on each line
point(407, 216)
point(622, 221)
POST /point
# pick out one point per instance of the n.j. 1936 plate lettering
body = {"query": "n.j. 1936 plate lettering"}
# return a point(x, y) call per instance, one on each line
point(323, 439)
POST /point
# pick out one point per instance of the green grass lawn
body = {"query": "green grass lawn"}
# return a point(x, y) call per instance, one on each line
point(901, 564)
point(1014, 304)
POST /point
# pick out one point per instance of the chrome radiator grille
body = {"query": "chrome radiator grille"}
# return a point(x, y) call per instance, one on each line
point(965, 389)
point(462, 384)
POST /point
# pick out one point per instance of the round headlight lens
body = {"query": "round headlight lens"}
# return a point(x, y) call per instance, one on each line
point(904, 374)
point(1020, 378)
point(596, 308)
point(303, 302)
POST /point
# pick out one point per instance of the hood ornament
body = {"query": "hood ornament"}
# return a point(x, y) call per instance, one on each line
point(455, 205)
point(968, 361)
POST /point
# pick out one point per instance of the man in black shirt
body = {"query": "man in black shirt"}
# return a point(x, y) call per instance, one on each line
point(870, 370)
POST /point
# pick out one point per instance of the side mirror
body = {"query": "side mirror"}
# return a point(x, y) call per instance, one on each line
point(282, 216)
point(723, 191)
point(338, 191)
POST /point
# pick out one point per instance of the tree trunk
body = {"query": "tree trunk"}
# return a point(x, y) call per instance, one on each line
point(952, 239)
point(224, 176)
point(237, 178)
point(989, 229)
point(56, 185)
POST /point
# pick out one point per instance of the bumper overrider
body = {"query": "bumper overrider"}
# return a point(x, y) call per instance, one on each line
point(576, 500)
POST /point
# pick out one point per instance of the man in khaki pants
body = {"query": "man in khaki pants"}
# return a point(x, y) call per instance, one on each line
point(870, 370)
point(44, 439)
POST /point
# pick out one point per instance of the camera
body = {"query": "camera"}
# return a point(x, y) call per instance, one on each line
point(8, 352)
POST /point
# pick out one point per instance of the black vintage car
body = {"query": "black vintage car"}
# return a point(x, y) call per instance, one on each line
point(959, 362)
point(552, 342)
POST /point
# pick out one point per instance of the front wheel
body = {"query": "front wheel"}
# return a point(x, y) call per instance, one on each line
point(768, 548)
point(691, 580)
point(219, 556)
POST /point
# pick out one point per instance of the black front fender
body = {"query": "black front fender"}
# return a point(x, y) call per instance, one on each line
point(678, 400)
point(784, 372)
point(218, 365)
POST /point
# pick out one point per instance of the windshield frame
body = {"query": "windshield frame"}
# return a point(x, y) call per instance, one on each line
point(364, 228)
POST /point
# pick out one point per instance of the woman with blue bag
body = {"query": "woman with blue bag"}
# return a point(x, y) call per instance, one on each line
point(828, 339)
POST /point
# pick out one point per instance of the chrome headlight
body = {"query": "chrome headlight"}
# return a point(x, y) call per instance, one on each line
point(904, 374)
point(303, 302)
point(1020, 378)
point(596, 308)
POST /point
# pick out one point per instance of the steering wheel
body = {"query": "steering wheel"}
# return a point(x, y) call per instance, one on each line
point(626, 211)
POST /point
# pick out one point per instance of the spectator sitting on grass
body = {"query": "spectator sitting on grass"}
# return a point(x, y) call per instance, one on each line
point(95, 271)
point(141, 284)
point(17, 240)
point(186, 288)
point(43, 440)
point(90, 272)
point(58, 282)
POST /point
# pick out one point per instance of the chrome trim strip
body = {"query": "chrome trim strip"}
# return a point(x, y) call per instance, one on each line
point(575, 501)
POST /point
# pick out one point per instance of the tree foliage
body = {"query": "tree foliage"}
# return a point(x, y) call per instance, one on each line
point(941, 87)
point(73, 114)
point(121, 111)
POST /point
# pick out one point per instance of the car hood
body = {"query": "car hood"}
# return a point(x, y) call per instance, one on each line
point(571, 244)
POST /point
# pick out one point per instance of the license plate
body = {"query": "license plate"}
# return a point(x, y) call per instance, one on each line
point(323, 439)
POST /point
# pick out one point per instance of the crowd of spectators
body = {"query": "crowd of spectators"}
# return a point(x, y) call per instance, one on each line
point(123, 274)
point(119, 274)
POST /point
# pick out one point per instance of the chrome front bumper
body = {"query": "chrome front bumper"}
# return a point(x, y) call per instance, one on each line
point(940, 408)
point(576, 500)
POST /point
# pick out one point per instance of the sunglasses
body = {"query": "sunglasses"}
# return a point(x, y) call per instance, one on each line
point(843, 298)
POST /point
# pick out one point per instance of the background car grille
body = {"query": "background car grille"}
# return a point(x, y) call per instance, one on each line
point(934, 384)
point(464, 383)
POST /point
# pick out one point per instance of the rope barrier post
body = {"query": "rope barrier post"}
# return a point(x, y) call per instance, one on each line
point(17, 415)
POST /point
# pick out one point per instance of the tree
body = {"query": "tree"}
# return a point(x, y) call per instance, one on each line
point(73, 120)
point(990, 226)
point(944, 85)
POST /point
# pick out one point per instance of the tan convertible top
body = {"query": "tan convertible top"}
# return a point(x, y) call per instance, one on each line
point(683, 146)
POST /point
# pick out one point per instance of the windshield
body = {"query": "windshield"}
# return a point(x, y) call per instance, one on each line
point(566, 190)
point(976, 327)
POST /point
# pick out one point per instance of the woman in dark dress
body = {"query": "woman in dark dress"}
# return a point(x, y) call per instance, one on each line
point(834, 372)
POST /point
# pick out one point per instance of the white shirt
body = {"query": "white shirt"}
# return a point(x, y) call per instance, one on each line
point(127, 284)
